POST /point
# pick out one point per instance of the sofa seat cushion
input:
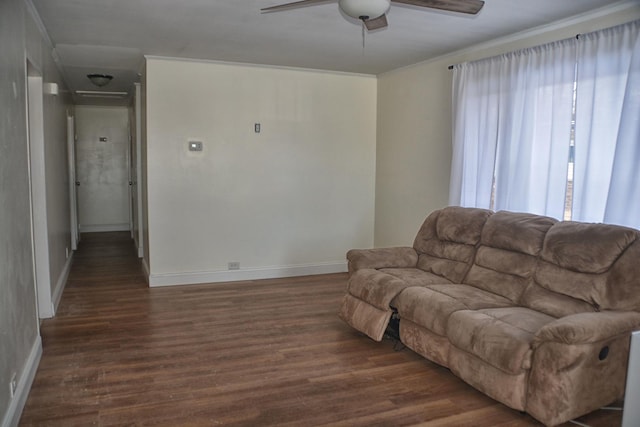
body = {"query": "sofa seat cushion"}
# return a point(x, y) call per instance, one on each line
point(415, 276)
point(375, 287)
point(431, 306)
point(499, 336)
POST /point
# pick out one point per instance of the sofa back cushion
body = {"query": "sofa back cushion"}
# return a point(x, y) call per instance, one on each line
point(595, 263)
point(446, 242)
point(552, 303)
point(506, 258)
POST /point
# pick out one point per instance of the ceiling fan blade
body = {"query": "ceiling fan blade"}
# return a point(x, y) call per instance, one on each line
point(463, 6)
point(376, 23)
point(292, 5)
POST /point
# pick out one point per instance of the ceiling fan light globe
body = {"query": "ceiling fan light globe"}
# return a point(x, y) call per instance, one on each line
point(100, 80)
point(369, 8)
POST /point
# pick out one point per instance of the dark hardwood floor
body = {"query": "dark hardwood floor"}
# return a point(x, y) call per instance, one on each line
point(256, 353)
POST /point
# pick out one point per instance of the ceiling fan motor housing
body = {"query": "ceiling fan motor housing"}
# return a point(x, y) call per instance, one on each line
point(365, 9)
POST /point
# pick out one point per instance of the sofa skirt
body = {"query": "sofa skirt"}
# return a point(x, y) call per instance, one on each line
point(424, 342)
point(495, 383)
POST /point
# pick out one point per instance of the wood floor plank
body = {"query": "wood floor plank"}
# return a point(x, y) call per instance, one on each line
point(251, 353)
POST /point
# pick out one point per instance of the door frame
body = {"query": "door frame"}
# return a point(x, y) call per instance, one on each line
point(138, 176)
point(73, 195)
point(38, 190)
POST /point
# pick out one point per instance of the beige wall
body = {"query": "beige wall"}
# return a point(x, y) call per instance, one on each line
point(414, 127)
point(291, 199)
point(18, 315)
point(20, 346)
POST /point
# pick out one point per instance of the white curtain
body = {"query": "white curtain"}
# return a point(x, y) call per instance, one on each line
point(607, 138)
point(512, 122)
point(475, 133)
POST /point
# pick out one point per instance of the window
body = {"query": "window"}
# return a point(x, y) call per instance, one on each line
point(552, 130)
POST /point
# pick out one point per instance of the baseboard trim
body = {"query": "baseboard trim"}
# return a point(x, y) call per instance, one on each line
point(25, 380)
point(62, 283)
point(191, 278)
point(102, 228)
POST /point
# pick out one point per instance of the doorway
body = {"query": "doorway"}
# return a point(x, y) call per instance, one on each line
point(102, 168)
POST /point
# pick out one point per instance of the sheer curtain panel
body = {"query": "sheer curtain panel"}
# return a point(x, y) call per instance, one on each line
point(607, 137)
point(512, 127)
point(475, 133)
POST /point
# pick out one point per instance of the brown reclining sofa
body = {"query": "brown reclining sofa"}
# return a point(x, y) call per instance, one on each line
point(533, 312)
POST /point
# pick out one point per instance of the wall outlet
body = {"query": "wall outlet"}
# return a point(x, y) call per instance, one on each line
point(233, 265)
point(13, 385)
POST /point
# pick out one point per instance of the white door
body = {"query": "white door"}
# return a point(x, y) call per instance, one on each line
point(102, 152)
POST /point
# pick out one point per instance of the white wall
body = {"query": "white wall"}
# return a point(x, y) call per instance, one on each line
point(413, 153)
point(289, 200)
point(414, 127)
point(56, 109)
point(102, 168)
point(20, 345)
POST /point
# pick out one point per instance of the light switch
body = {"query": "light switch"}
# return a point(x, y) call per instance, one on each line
point(256, 127)
point(195, 145)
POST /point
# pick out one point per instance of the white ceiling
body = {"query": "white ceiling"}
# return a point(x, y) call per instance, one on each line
point(111, 36)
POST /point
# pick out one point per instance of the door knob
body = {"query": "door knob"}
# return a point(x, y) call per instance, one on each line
point(77, 183)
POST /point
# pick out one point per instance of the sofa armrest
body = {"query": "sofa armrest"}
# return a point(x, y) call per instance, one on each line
point(398, 257)
point(584, 328)
point(579, 364)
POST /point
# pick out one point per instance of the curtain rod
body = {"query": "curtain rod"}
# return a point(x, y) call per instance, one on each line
point(450, 67)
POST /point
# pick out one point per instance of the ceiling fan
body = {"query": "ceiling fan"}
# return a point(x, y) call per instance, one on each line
point(372, 13)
